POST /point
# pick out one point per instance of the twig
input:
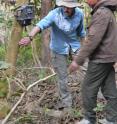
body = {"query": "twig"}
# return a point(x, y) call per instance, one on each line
point(12, 110)
point(20, 84)
point(35, 83)
point(40, 68)
point(40, 99)
point(9, 86)
point(22, 96)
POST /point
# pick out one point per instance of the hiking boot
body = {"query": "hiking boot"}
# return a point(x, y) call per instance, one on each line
point(84, 121)
point(104, 121)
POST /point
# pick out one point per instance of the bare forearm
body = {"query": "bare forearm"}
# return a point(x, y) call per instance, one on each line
point(26, 40)
point(34, 31)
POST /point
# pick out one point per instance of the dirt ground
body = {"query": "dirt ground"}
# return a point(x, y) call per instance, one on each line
point(39, 105)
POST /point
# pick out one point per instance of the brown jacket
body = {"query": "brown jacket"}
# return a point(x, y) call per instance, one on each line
point(101, 45)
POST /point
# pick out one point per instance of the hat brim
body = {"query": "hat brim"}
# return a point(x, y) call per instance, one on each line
point(66, 4)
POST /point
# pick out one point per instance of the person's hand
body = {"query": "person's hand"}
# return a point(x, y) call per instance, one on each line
point(73, 67)
point(24, 41)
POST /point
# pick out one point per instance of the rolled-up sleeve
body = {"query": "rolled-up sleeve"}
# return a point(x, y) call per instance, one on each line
point(81, 30)
point(46, 21)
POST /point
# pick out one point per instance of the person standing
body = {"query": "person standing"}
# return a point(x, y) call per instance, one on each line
point(101, 49)
point(67, 30)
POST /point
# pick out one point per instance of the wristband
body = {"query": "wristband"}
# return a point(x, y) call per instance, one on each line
point(30, 37)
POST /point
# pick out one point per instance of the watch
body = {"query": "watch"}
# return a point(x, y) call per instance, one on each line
point(30, 37)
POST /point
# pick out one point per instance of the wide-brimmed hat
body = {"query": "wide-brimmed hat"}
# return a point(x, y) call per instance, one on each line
point(67, 3)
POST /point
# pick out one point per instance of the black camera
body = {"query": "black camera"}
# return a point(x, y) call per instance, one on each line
point(24, 14)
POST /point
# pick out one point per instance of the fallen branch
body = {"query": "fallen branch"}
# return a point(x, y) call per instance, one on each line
point(13, 109)
point(20, 84)
point(42, 97)
point(39, 101)
point(23, 94)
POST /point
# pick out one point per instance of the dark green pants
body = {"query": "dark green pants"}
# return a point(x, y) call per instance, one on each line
point(99, 75)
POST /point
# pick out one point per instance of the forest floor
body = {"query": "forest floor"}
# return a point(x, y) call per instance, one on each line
point(39, 104)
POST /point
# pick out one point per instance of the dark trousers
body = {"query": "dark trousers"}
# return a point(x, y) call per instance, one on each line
point(99, 75)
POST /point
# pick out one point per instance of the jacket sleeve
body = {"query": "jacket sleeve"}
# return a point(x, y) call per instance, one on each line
point(97, 29)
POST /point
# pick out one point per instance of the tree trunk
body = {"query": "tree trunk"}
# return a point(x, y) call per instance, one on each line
point(12, 49)
point(45, 8)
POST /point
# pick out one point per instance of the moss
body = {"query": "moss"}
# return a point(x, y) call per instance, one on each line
point(3, 88)
point(4, 108)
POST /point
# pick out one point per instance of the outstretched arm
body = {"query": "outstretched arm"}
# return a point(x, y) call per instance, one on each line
point(26, 40)
point(41, 25)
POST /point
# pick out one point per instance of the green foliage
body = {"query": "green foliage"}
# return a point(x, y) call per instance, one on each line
point(4, 108)
point(100, 107)
point(25, 119)
point(42, 73)
point(76, 113)
point(9, 22)
point(6, 18)
point(2, 52)
point(1, 16)
point(3, 88)
point(4, 65)
point(25, 55)
point(52, 80)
